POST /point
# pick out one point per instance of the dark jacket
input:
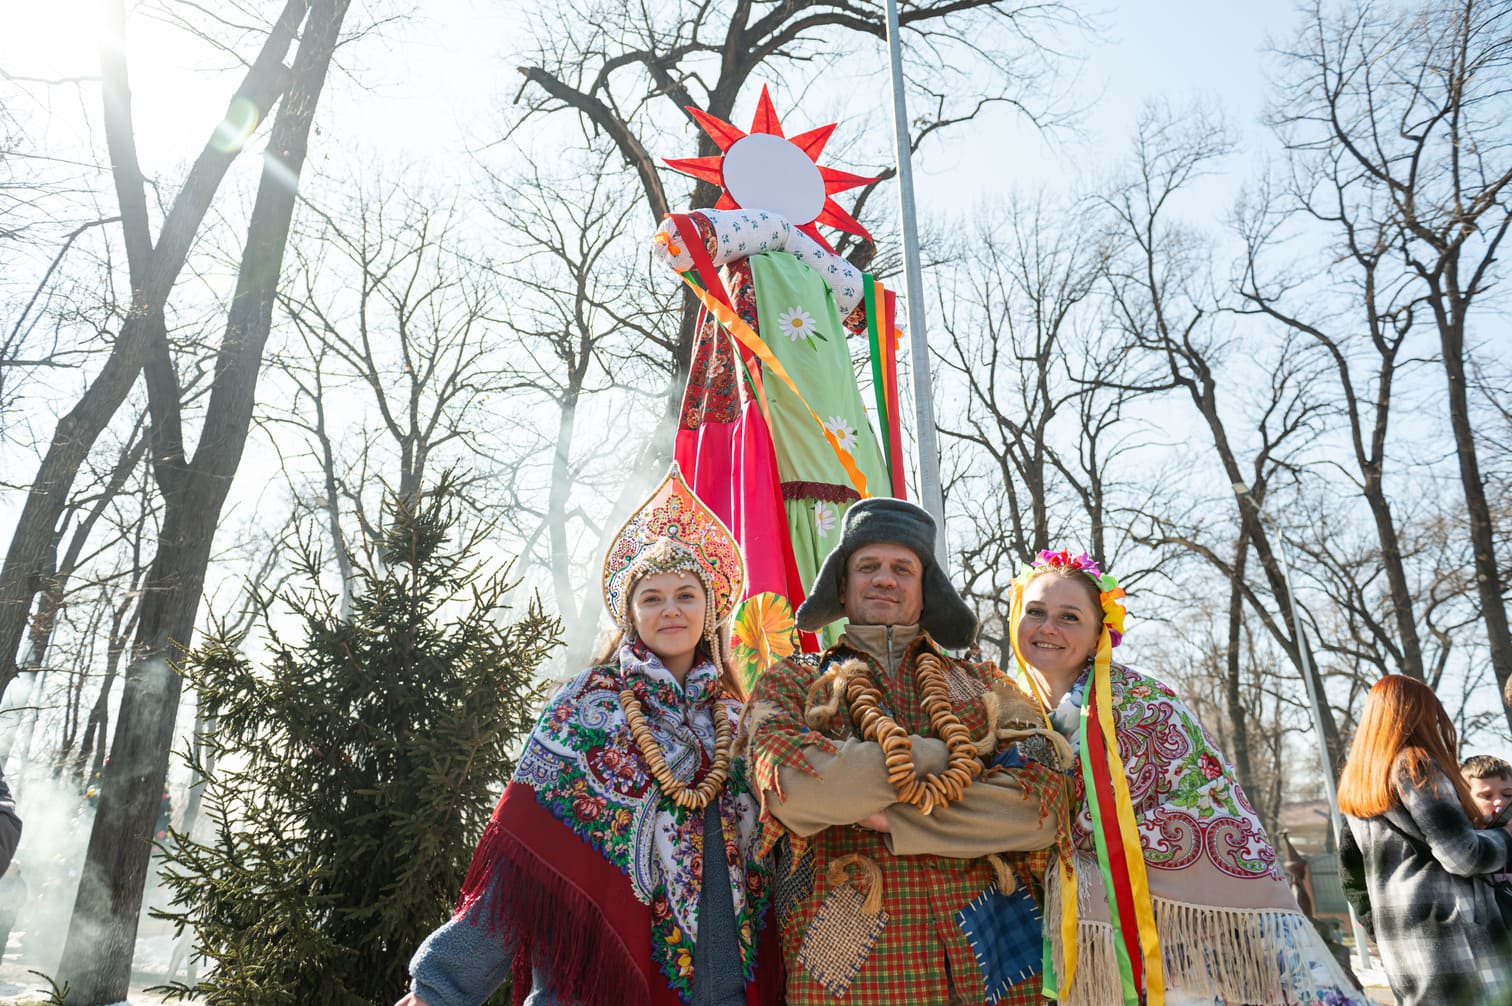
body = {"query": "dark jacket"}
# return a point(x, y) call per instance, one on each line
point(1427, 898)
point(10, 825)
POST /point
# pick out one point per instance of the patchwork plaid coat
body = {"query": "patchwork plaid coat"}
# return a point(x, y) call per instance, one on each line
point(946, 933)
point(1416, 876)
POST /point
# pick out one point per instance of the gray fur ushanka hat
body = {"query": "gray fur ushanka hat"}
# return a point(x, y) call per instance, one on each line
point(873, 521)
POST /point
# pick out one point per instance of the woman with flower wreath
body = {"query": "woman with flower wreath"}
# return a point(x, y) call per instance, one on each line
point(1179, 898)
point(619, 865)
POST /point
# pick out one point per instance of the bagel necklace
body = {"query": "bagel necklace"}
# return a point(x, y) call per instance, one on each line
point(692, 799)
point(935, 789)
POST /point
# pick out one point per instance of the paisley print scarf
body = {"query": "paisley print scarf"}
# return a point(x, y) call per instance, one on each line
point(582, 768)
point(1230, 930)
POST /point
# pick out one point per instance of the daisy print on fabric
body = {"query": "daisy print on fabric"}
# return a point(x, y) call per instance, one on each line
point(843, 431)
point(796, 323)
point(824, 518)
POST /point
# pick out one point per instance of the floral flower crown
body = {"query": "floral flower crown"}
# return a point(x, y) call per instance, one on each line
point(1110, 594)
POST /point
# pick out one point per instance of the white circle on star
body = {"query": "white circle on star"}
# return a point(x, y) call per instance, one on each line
point(767, 172)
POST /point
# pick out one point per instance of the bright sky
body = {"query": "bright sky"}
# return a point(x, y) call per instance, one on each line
point(1177, 51)
point(435, 85)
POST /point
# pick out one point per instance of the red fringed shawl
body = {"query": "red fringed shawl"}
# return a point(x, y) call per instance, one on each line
point(568, 869)
point(575, 913)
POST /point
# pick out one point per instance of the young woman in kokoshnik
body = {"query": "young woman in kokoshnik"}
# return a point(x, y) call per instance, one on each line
point(1179, 897)
point(619, 865)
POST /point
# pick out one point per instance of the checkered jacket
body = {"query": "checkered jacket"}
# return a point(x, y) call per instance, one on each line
point(1423, 867)
point(928, 946)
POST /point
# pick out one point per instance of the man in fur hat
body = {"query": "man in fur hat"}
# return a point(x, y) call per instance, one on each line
point(911, 796)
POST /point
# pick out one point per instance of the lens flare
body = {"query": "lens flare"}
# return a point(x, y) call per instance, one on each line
point(236, 128)
point(275, 168)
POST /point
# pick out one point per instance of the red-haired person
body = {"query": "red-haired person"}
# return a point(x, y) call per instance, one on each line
point(1415, 846)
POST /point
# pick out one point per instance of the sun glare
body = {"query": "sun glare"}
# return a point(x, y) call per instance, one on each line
point(50, 41)
point(58, 42)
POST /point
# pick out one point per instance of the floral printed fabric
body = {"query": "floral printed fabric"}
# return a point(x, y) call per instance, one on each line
point(588, 773)
point(1186, 800)
point(1192, 816)
point(716, 391)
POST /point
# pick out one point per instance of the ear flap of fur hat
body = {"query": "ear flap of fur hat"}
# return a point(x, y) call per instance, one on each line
point(877, 520)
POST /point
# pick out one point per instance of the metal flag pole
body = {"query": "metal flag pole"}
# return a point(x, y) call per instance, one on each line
point(930, 496)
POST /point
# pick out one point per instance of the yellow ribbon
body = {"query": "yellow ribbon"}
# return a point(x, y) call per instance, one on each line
point(1123, 807)
point(1065, 867)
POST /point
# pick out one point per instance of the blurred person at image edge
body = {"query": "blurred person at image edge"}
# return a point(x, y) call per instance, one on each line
point(1414, 859)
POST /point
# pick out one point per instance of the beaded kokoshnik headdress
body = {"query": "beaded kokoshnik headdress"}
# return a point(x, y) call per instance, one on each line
point(673, 532)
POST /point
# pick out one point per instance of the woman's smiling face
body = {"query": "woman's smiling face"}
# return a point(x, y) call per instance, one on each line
point(1060, 626)
point(667, 611)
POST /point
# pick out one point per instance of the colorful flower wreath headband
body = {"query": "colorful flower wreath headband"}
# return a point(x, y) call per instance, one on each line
point(1110, 594)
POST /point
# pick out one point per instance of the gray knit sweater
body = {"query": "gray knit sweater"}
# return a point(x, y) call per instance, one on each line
point(463, 962)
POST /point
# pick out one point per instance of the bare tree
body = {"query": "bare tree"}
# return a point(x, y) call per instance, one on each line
point(154, 266)
point(96, 581)
point(101, 939)
point(1034, 427)
point(629, 71)
point(589, 356)
point(390, 318)
point(1404, 111)
point(1164, 302)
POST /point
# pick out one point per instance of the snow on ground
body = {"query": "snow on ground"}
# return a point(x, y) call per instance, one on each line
point(19, 987)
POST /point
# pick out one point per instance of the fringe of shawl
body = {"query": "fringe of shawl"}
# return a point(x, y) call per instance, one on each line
point(558, 926)
point(1237, 955)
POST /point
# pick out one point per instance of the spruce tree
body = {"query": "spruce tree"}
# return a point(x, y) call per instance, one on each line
point(356, 768)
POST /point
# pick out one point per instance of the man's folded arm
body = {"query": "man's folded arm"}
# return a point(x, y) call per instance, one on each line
point(845, 786)
point(1003, 812)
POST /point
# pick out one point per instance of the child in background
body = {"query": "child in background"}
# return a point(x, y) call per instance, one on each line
point(1490, 782)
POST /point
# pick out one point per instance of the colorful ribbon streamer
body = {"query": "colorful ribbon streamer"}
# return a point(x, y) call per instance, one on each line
point(719, 306)
point(882, 338)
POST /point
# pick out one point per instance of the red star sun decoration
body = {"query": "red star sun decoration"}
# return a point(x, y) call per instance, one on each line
point(764, 170)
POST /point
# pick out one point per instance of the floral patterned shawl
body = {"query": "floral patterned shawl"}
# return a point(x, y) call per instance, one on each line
point(1230, 930)
point(581, 772)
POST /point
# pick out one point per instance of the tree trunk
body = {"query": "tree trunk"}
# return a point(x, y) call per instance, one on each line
point(1238, 713)
point(1488, 580)
point(1411, 656)
point(154, 270)
point(1251, 527)
point(102, 933)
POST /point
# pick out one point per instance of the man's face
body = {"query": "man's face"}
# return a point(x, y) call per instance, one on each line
point(884, 585)
point(1492, 794)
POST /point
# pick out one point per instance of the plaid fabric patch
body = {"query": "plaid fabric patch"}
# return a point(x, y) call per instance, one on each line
point(840, 939)
point(922, 956)
point(795, 880)
point(1004, 931)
